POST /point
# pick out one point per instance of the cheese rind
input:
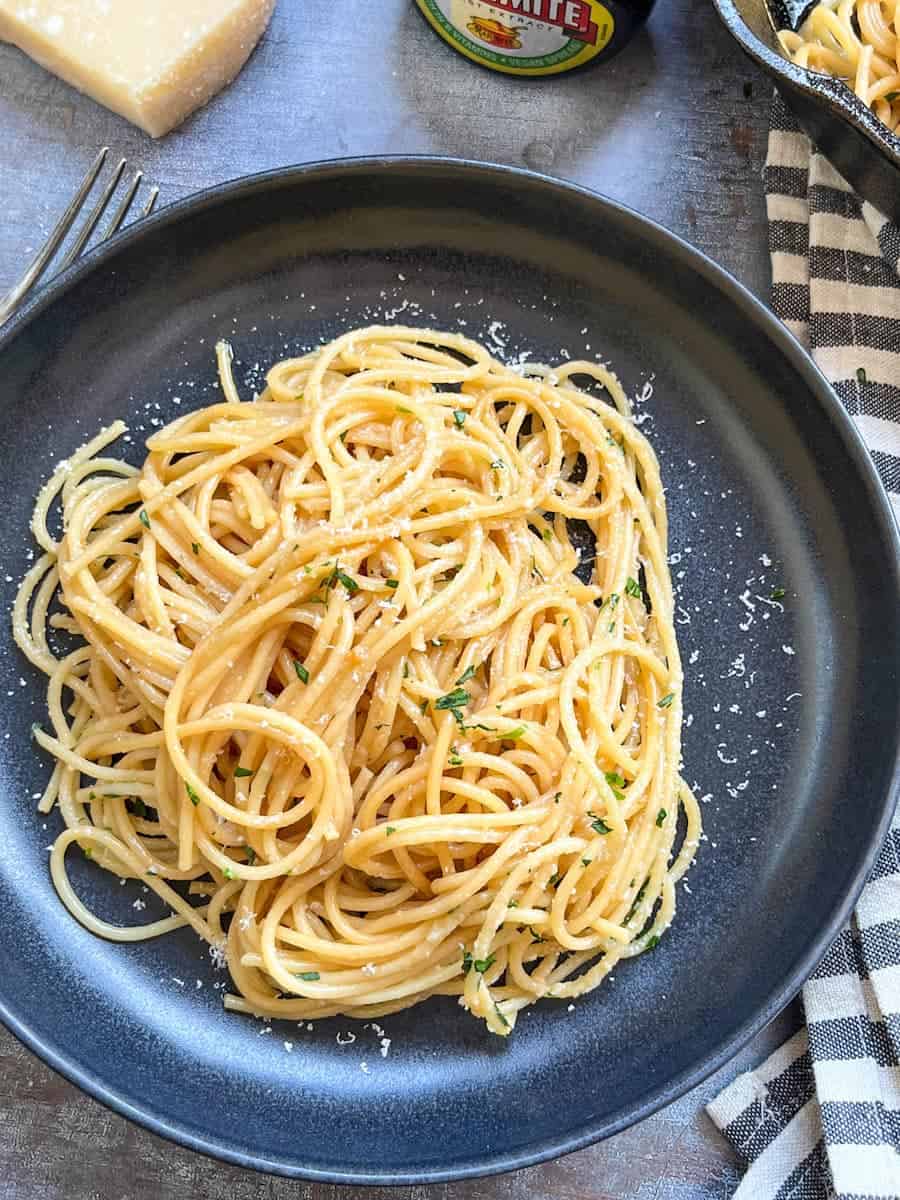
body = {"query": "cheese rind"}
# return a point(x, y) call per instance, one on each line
point(153, 63)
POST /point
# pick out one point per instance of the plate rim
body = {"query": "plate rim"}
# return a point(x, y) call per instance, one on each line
point(830, 408)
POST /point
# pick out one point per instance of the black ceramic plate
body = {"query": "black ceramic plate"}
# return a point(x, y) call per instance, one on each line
point(793, 734)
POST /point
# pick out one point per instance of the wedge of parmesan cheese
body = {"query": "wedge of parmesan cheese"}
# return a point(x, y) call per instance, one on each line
point(152, 61)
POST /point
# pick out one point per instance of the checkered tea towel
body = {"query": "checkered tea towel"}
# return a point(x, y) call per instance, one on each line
point(821, 1118)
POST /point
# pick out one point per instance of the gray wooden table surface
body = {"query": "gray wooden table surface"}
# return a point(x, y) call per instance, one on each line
point(675, 127)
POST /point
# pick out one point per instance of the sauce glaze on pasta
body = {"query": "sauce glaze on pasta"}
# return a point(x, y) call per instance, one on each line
point(339, 697)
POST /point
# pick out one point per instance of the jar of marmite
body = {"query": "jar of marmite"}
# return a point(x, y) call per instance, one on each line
point(536, 37)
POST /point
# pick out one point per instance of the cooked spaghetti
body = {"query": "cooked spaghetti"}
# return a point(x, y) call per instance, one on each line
point(857, 41)
point(339, 696)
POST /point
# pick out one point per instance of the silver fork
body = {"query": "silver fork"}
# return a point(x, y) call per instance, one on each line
point(16, 295)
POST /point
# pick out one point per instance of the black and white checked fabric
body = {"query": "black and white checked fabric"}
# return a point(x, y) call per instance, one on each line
point(821, 1118)
point(836, 285)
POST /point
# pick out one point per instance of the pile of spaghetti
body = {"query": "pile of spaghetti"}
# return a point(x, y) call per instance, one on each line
point(857, 41)
point(339, 696)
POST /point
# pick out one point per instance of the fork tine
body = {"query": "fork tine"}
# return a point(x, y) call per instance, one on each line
point(95, 214)
point(151, 202)
point(14, 297)
point(124, 204)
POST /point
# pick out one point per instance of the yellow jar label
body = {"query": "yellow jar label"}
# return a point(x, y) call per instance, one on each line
point(523, 37)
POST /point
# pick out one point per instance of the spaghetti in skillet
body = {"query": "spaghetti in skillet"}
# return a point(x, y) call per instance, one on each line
point(857, 41)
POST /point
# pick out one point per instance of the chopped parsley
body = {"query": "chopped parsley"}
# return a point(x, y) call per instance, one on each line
point(458, 698)
point(599, 825)
point(392, 583)
point(251, 855)
point(484, 964)
point(455, 760)
point(390, 829)
point(777, 593)
point(616, 783)
point(195, 546)
point(466, 675)
point(228, 873)
point(401, 409)
point(557, 798)
point(660, 818)
point(652, 942)
point(535, 937)
point(632, 587)
point(308, 976)
point(498, 465)
point(338, 576)
point(467, 961)
point(192, 795)
point(666, 700)
point(143, 518)
point(547, 533)
point(502, 1019)
point(302, 672)
point(348, 581)
point(242, 772)
point(138, 807)
point(406, 670)
point(513, 735)
point(586, 862)
point(554, 879)
point(459, 416)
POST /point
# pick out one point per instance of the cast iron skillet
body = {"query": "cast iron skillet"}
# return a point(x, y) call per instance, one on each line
point(794, 703)
point(847, 132)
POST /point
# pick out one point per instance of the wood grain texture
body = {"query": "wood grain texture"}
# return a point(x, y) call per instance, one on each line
point(674, 127)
